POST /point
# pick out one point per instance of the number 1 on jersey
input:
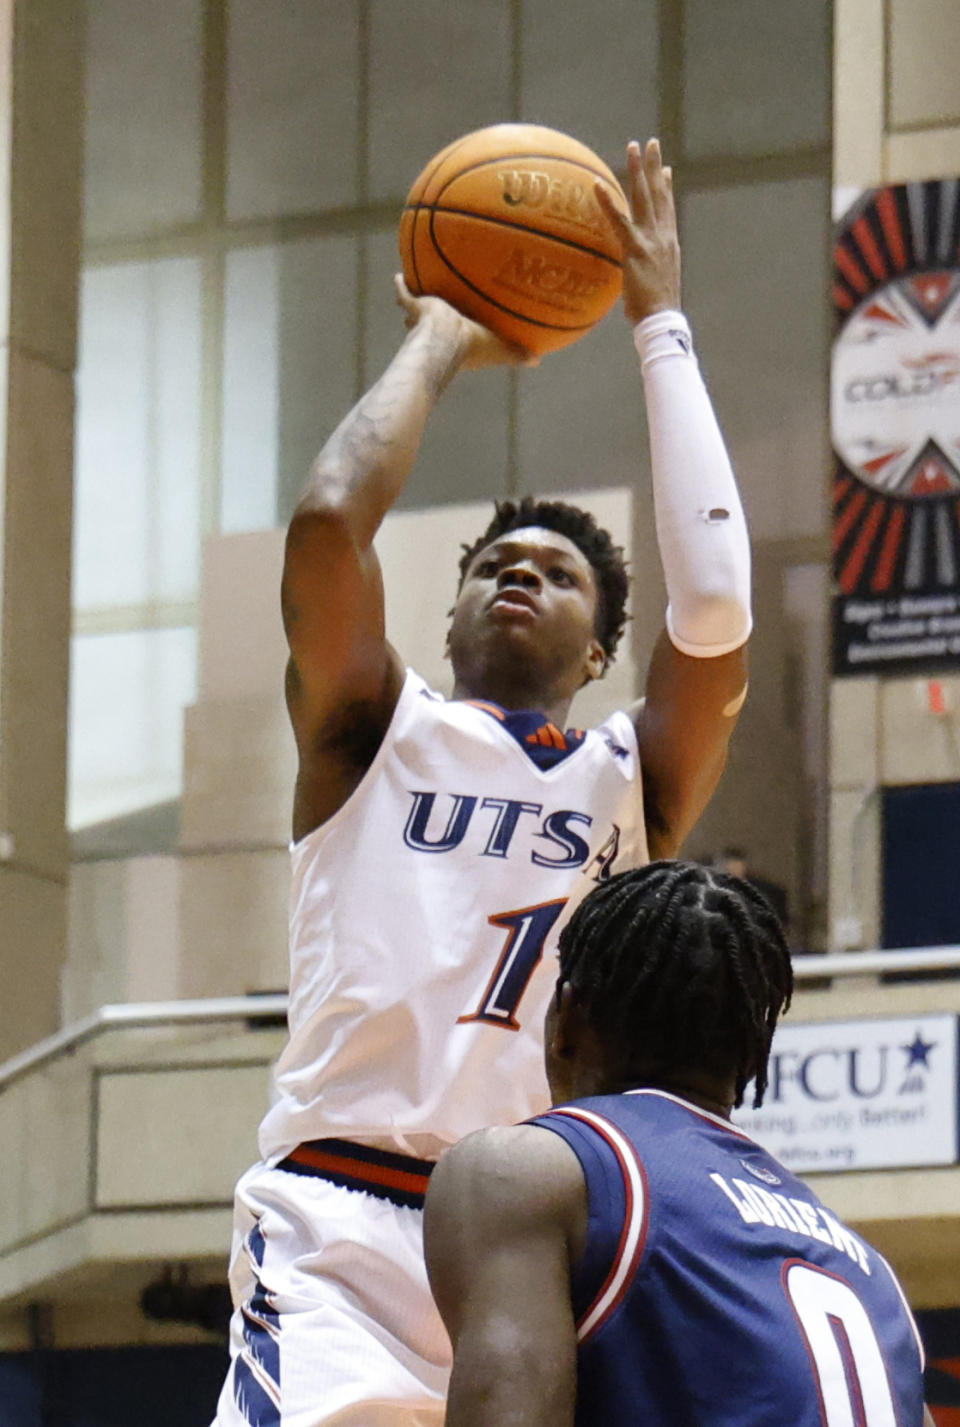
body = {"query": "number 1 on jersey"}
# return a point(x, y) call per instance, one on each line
point(527, 929)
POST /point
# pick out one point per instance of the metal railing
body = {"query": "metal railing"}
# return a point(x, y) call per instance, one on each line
point(133, 1016)
point(227, 1009)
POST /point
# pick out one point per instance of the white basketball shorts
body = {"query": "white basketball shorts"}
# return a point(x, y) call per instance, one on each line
point(333, 1320)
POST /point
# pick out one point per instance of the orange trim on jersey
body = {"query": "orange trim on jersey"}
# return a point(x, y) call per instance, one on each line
point(406, 1180)
point(548, 736)
point(487, 708)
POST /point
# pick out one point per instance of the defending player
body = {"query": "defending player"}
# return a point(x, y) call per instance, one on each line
point(438, 843)
point(631, 1257)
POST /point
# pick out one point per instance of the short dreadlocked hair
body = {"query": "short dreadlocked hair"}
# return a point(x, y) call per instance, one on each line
point(677, 966)
point(595, 543)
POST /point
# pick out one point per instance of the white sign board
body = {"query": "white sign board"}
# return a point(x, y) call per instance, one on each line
point(859, 1095)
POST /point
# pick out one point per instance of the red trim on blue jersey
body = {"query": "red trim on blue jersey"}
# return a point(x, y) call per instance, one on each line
point(710, 1118)
point(633, 1236)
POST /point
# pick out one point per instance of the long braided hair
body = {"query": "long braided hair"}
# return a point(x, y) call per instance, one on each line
point(680, 967)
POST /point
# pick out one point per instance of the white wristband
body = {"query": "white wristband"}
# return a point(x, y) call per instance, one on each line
point(663, 334)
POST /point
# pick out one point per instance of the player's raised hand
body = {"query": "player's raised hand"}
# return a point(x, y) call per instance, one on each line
point(481, 347)
point(651, 250)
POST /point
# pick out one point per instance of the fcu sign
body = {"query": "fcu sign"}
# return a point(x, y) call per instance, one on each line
point(860, 1095)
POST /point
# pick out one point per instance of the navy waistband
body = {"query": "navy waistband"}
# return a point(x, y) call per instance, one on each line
point(397, 1177)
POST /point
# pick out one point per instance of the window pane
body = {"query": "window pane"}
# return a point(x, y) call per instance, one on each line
point(127, 696)
point(465, 451)
point(136, 521)
point(436, 72)
point(143, 125)
point(591, 70)
point(755, 282)
point(293, 104)
point(756, 76)
point(288, 371)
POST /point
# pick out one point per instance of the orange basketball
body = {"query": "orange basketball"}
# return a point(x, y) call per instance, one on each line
point(504, 224)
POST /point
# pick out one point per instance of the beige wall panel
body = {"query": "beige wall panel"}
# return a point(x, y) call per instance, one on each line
point(924, 1253)
point(97, 942)
point(854, 726)
point(293, 106)
point(858, 92)
point(924, 61)
point(242, 649)
point(879, 1195)
point(419, 552)
point(917, 746)
point(233, 923)
point(591, 70)
point(15, 1129)
point(47, 177)
point(852, 996)
point(124, 935)
point(618, 689)
point(6, 164)
point(194, 1233)
point(34, 637)
point(112, 1319)
point(239, 755)
point(33, 916)
point(436, 72)
point(61, 1262)
point(45, 1121)
point(933, 153)
point(193, 1131)
point(153, 960)
point(854, 908)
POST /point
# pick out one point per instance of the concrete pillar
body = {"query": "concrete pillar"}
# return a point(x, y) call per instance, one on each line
point(41, 57)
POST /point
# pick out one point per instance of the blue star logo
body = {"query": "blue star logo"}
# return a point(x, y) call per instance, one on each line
point(918, 1052)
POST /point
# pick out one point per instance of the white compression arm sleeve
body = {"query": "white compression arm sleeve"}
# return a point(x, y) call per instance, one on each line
point(701, 529)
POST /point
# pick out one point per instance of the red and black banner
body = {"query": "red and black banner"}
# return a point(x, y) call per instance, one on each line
point(895, 419)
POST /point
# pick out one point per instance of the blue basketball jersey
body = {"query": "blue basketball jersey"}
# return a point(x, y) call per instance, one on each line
point(715, 1289)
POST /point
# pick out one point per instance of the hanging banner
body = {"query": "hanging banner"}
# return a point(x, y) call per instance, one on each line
point(871, 1094)
point(895, 420)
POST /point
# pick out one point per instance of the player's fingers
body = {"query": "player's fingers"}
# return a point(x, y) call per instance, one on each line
point(638, 189)
point(406, 300)
point(614, 214)
point(404, 296)
point(657, 183)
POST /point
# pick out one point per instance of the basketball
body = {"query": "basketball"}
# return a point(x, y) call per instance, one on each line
point(504, 225)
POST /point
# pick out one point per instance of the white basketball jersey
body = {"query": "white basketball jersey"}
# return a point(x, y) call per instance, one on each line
point(424, 918)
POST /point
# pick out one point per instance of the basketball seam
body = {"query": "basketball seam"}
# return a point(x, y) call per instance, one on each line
point(437, 164)
point(509, 223)
point(413, 252)
point(521, 316)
